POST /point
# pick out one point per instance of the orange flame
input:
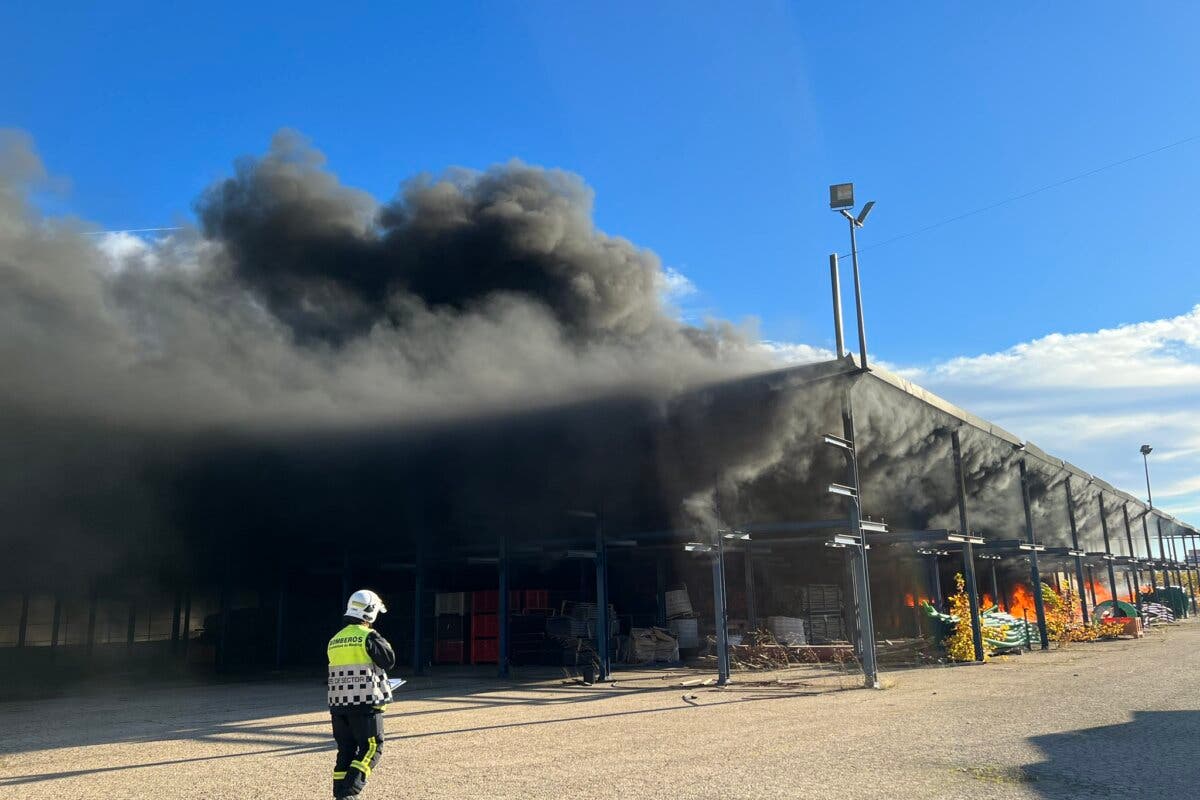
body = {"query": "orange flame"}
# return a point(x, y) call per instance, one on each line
point(912, 600)
point(987, 602)
point(1100, 589)
point(1021, 601)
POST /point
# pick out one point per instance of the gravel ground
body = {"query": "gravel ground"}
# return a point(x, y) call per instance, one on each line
point(1105, 720)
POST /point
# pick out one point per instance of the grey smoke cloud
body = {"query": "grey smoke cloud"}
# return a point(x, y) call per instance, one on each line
point(301, 301)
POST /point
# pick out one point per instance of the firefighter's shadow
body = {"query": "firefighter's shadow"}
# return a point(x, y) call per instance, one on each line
point(1153, 755)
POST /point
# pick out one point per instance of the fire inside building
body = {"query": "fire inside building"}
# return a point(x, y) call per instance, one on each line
point(475, 403)
point(551, 537)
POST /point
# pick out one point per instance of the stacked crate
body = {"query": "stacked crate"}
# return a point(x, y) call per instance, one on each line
point(485, 627)
point(449, 608)
point(823, 605)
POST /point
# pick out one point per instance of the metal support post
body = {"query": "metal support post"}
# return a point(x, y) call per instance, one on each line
point(280, 619)
point(1162, 548)
point(601, 601)
point(1091, 585)
point(660, 590)
point(503, 610)
point(23, 622)
point(858, 304)
point(93, 600)
point(1149, 554)
point(751, 595)
point(1136, 594)
point(996, 588)
point(1083, 606)
point(418, 658)
point(721, 611)
point(836, 282)
point(56, 622)
point(1112, 576)
point(934, 572)
point(1034, 574)
point(968, 550)
point(131, 630)
point(176, 613)
point(187, 622)
point(862, 575)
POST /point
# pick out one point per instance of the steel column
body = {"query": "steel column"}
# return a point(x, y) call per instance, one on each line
point(836, 283)
point(1034, 574)
point(176, 611)
point(996, 588)
point(1083, 607)
point(721, 611)
point(503, 610)
point(859, 565)
point(23, 622)
point(280, 619)
point(968, 550)
point(1112, 576)
point(56, 622)
point(93, 599)
point(858, 304)
point(1136, 595)
point(751, 595)
point(1149, 553)
point(933, 570)
point(601, 601)
point(660, 590)
point(418, 660)
point(187, 622)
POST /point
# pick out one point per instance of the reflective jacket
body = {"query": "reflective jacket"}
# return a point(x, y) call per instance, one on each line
point(355, 676)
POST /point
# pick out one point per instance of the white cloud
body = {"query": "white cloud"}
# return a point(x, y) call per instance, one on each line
point(1094, 398)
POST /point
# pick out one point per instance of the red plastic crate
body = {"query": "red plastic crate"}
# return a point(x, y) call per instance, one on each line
point(448, 652)
point(485, 626)
point(485, 651)
point(485, 601)
point(536, 598)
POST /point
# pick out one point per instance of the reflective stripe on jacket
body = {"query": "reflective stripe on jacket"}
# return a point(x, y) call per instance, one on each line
point(355, 679)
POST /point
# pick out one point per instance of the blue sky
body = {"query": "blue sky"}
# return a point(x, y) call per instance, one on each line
point(710, 134)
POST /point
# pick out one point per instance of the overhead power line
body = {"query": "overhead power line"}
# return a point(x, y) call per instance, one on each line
point(1047, 187)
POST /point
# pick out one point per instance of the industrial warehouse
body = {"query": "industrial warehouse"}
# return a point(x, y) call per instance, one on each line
point(515, 541)
point(480, 407)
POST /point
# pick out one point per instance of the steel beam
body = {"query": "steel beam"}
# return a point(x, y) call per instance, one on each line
point(721, 611)
point(1035, 575)
point(1137, 575)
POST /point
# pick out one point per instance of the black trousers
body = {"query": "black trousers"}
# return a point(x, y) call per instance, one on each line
point(359, 736)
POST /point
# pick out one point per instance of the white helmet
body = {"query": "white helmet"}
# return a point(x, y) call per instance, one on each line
point(365, 605)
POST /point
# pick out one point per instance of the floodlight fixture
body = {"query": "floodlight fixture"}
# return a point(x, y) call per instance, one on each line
point(846, 491)
point(961, 539)
point(1037, 548)
point(1076, 553)
point(698, 547)
point(841, 195)
point(741, 536)
point(862, 215)
point(845, 539)
point(872, 526)
point(1147, 450)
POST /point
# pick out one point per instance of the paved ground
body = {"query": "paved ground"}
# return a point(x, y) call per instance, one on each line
point(1107, 720)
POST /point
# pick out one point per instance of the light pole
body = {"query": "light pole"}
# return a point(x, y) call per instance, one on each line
point(841, 198)
point(1146, 451)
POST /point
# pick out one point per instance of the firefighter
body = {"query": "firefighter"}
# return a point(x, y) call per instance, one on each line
point(359, 659)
